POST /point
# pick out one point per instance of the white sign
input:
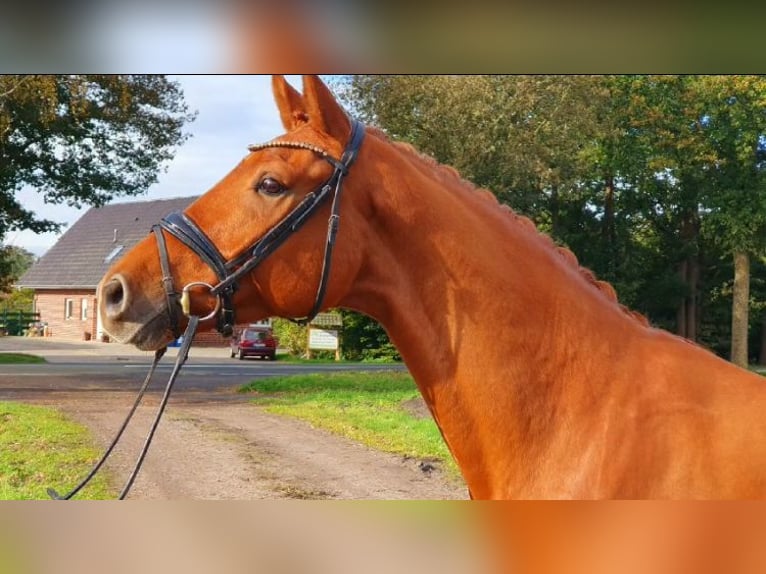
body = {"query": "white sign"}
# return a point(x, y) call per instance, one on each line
point(323, 339)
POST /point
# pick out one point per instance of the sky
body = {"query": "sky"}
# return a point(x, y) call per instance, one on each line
point(233, 112)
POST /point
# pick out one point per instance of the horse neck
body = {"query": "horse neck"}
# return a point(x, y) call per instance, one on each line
point(488, 315)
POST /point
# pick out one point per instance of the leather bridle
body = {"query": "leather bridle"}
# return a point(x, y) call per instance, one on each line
point(180, 226)
point(183, 228)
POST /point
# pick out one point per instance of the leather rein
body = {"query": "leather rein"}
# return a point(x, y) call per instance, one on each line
point(180, 226)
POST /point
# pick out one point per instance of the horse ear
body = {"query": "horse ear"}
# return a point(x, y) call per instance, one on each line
point(290, 103)
point(323, 110)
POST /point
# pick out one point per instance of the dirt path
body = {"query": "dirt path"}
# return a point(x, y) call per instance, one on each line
point(233, 450)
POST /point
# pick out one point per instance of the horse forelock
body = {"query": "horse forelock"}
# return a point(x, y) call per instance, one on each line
point(449, 174)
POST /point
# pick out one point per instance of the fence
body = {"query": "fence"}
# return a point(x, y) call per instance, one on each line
point(17, 322)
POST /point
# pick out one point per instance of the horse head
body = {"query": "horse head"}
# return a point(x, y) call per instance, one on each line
point(280, 199)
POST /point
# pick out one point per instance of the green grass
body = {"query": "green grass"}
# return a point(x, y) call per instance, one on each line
point(365, 407)
point(18, 358)
point(41, 448)
point(287, 358)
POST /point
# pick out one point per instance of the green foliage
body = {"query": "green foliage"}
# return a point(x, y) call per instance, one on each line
point(83, 139)
point(519, 136)
point(365, 339)
point(17, 300)
point(292, 337)
point(39, 447)
point(735, 126)
point(14, 261)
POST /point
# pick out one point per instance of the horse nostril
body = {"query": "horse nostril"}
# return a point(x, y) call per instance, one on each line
point(114, 297)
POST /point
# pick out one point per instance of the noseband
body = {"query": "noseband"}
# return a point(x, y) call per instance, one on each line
point(180, 226)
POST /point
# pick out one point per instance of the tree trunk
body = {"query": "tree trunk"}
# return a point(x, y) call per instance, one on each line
point(762, 354)
point(739, 309)
point(555, 212)
point(682, 307)
point(686, 314)
point(609, 231)
point(687, 320)
point(692, 303)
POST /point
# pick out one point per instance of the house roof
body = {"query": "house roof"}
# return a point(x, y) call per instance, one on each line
point(81, 257)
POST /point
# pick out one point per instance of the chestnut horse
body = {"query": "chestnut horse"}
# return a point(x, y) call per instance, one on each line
point(542, 384)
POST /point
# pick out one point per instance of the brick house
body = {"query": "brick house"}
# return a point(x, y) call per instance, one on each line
point(65, 278)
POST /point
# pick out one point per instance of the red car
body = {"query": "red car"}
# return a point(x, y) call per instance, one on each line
point(254, 342)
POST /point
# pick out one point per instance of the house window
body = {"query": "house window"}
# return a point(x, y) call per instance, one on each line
point(68, 308)
point(84, 309)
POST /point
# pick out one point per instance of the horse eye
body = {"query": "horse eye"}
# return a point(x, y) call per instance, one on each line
point(270, 186)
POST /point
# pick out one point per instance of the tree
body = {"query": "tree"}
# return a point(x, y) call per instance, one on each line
point(522, 137)
point(700, 140)
point(18, 300)
point(364, 339)
point(291, 336)
point(14, 261)
point(734, 122)
point(84, 139)
point(669, 157)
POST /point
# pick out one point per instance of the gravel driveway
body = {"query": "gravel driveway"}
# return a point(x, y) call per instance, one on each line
point(234, 450)
point(216, 445)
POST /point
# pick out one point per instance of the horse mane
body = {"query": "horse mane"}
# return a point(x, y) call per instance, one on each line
point(451, 175)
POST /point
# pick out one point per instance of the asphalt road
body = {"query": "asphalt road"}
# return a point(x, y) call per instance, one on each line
point(195, 375)
point(75, 367)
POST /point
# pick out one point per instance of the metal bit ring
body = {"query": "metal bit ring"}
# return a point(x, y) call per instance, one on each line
point(186, 300)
